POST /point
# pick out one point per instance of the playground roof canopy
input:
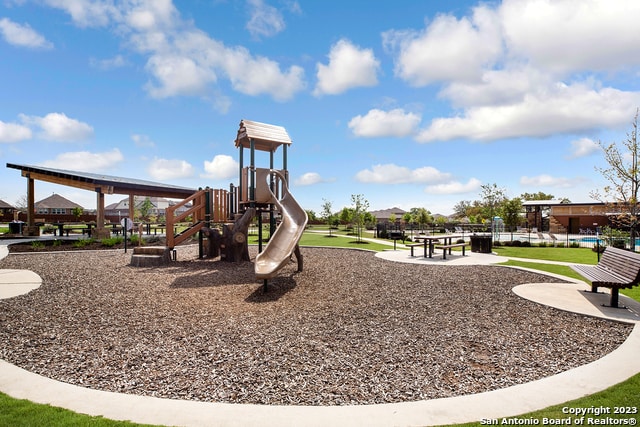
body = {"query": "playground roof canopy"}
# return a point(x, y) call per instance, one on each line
point(104, 183)
point(265, 137)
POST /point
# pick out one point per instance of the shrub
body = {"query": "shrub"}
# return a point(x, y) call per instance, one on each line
point(497, 243)
point(36, 244)
point(526, 244)
point(574, 245)
point(516, 243)
point(112, 241)
point(57, 243)
point(82, 243)
point(542, 244)
point(460, 241)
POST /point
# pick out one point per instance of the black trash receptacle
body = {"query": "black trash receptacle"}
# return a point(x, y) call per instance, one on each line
point(15, 227)
point(481, 243)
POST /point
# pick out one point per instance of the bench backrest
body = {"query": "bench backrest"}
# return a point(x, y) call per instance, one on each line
point(623, 263)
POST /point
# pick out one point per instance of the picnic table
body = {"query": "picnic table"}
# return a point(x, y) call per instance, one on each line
point(429, 243)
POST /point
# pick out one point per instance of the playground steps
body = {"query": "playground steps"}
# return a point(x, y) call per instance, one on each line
point(150, 256)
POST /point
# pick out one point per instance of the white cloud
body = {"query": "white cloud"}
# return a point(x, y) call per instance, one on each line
point(378, 123)
point(448, 49)
point(177, 75)
point(583, 147)
point(455, 187)
point(523, 67)
point(183, 60)
point(142, 141)
point(259, 75)
point(349, 67)
point(22, 35)
point(166, 169)
point(109, 63)
point(221, 167)
point(309, 178)
point(86, 13)
point(560, 109)
point(13, 132)
point(86, 161)
point(59, 127)
point(545, 180)
point(394, 174)
point(265, 20)
point(572, 35)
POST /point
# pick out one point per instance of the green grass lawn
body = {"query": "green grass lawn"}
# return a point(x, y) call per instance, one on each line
point(21, 413)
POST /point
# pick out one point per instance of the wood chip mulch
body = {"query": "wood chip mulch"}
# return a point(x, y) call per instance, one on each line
point(350, 329)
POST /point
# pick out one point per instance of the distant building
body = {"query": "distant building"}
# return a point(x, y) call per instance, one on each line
point(55, 205)
point(158, 209)
point(383, 215)
point(6, 208)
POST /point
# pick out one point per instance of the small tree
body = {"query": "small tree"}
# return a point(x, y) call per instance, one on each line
point(77, 212)
point(492, 198)
point(511, 210)
point(624, 178)
point(145, 209)
point(360, 206)
point(326, 213)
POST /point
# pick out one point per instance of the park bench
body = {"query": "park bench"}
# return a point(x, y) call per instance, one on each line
point(452, 245)
point(617, 269)
point(414, 245)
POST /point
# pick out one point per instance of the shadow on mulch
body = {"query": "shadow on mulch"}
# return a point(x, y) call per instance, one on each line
point(276, 289)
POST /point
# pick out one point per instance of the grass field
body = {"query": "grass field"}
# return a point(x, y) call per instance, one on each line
point(22, 413)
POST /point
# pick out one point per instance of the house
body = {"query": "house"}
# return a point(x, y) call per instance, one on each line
point(383, 215)
point(158, 207)
point(55, 205)
point(6, 208)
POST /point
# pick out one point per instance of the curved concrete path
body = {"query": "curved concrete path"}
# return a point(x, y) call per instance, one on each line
point(584, 380)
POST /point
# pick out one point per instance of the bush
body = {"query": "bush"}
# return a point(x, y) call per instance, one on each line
point(57, 243)
point(36, 244)
point(82, 243)
point(574, 245)
point(460, 241)
point(516, 243)
point(526, 244)
point(112, 241)
point(542, 244)
point(497, 243)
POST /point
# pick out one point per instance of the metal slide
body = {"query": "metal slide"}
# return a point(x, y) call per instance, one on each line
point(283, 242)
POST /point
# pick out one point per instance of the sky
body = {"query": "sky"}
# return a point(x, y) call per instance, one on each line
point(409, 103)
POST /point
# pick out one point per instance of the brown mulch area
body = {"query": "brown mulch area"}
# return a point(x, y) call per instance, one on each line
point(350, 329)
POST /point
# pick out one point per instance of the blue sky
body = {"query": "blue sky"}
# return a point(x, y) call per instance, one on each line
point(409, 103)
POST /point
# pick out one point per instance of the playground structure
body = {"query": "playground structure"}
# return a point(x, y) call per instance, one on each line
point(261, 192)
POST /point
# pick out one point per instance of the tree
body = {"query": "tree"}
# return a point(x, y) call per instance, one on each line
point(360, 207)
point(145, 209)
point(346, 215)
point(492, 198)
point(511, 210)
point(623, 177)
point(77, 212)
point(536, 196)
point(326, 213)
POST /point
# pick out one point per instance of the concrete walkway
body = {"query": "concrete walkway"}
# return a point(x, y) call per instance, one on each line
point(584, 380)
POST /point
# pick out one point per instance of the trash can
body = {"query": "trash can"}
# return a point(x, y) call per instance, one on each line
point(15, 227)
point(481, 243)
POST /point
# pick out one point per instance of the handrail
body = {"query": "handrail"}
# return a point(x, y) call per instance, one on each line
point(198, 211)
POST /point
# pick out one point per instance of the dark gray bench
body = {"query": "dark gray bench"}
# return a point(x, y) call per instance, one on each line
point(414, 245)
point(617, 269)
point(453, 245)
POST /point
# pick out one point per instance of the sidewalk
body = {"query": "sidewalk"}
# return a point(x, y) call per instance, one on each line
point(587, 379)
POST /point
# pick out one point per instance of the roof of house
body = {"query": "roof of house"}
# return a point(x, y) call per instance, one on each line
point(5, 205)
point(56, 201)
point(386, 213)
